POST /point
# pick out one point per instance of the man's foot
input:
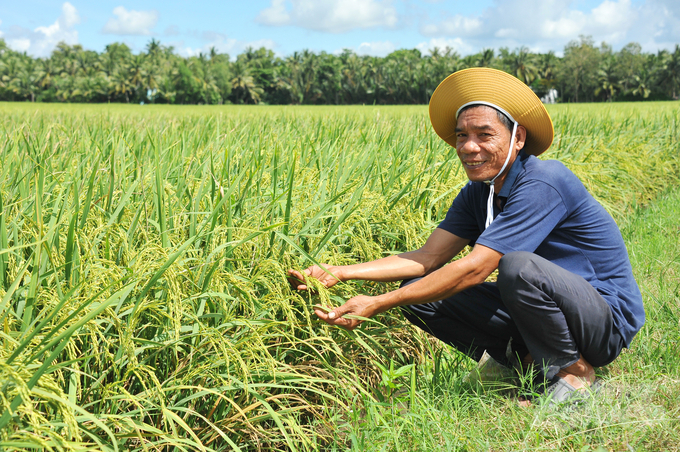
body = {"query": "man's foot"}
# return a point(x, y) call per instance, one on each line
point(579, 377)
point(580, 374)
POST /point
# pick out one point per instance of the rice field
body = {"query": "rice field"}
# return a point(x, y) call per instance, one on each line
point(144, 305)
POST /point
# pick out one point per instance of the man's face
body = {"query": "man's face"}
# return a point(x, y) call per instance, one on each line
point(482, 143)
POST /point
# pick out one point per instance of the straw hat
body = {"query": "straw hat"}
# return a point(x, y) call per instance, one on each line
point(495, 88)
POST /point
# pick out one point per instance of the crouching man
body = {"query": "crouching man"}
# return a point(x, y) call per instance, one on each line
point(565, 297)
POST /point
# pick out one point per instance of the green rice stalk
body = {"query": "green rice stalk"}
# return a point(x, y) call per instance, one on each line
point(4, 244)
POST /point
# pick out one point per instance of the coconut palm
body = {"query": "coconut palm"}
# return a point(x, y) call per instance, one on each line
point(244, 89)
point(120, 85)
point(11, 69)
point(47, 70)
point(23, 82)
point(670, 72)
point(153, 48)
point(641, 84)
point(608, 81)
point(521, 64)
point(137, 73)
point(486, 58)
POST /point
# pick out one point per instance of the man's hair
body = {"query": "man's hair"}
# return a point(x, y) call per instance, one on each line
point(507, 122)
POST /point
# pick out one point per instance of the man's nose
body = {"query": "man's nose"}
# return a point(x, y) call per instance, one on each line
point(470, 146)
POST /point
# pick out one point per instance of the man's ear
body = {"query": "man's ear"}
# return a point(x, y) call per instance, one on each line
point(520, 137)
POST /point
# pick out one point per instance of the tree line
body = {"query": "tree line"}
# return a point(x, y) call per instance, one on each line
point(585, 73)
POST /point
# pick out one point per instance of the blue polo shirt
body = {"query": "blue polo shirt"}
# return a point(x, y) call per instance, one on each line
point(546, 210)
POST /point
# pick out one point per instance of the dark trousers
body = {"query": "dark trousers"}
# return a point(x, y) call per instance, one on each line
point(534, 307)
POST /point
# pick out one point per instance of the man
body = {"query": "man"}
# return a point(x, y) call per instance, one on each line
point(565, 297)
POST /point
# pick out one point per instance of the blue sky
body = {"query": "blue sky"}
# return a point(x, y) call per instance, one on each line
point(374, 27)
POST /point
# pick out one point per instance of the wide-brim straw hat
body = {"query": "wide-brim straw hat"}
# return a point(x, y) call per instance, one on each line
point(491, 86)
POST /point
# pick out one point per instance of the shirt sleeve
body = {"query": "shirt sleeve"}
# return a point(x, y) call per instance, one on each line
point(461, 219)
point(532, 211)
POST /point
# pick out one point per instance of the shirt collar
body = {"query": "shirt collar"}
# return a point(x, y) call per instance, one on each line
point(514, 171)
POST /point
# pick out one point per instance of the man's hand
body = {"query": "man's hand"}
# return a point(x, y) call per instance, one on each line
point(346, 315)
point(298, 280)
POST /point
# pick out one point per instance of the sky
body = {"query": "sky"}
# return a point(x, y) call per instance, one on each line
point(368, 27)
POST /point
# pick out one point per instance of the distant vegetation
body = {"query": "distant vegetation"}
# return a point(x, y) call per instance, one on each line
point(585, 73)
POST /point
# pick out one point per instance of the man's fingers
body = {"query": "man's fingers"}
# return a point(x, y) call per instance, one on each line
point(335, 317)
point(337, 313)
point(297, 279)
point(295, 274)
point(330, 316)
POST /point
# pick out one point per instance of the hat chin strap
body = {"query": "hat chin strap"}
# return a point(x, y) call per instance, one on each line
point(491, 183)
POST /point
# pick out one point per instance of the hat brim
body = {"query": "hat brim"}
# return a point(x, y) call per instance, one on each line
point(498, 88)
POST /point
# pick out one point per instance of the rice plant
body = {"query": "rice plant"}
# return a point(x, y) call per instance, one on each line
point(143, 254)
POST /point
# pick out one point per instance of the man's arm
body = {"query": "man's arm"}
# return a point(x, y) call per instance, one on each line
point(439, 249)
point(455, 277)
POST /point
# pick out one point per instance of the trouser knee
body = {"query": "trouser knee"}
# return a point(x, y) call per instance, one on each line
point(511, 273)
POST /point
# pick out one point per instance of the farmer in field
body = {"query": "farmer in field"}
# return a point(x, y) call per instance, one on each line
point(565, 298)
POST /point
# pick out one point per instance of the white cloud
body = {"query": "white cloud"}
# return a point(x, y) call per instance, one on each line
point(457, 44)
point(614, 15)
point(659, 24)
point(19, 44)
point(334, 16)
point(377, 48)
point(276, 14)
point(131, 22)
point(550, 24)
point(564, 27)
point(222, 44)
point(41, 41)
point(69, 17)
point(456, 25)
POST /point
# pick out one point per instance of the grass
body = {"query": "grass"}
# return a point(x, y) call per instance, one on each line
point(144, 305)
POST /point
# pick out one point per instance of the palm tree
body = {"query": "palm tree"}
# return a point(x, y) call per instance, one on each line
point(243, 86)
point(302, 77)
point(547, 68)
point(153, 48)
point(607, 79)
point(262, 66)
point(467, 62)
point(23, 83)
point(46, 71)
point(521, 65)
point(91, 87)
point(547, 65)
point(485, 58)
point(137, 72)
point(11, 69)
point(120, 85)
point(641, 84)
point(352, 80)
point(670, 72)
point(150, 82)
